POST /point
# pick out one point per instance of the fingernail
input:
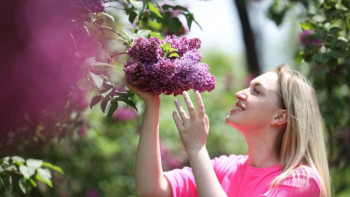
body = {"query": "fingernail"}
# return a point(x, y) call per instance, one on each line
point(176, 100)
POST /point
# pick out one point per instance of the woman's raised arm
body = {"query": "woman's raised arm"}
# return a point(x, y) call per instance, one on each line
point(149, 173)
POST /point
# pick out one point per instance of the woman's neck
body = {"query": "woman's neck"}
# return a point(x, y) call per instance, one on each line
point(262, 150)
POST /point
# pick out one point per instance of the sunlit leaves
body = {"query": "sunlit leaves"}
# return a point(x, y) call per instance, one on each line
point(168, 51)
point(16, 170)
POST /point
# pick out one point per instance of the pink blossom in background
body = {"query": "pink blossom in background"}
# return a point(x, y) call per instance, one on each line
point(83, 130)
point(169, 161)
point(40, 61)
point(346, 135)
point(79, 99)
point(124, 114)
point(91, 192)
point(305, 40)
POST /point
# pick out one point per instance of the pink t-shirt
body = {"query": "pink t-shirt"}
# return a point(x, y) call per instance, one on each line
point(241, 180)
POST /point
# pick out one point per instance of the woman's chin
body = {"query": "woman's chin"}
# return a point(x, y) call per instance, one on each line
point(229, 121)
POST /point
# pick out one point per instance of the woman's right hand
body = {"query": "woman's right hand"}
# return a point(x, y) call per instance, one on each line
point(147, 97)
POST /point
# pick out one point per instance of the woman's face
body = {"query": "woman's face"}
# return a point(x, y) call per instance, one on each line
point(256, 105)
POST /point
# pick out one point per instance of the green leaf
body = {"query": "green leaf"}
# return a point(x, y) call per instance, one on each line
point(174, 55)
point(167, 46)
point(23, 185)
point(53, 167)
point(110, 109)
point(143, 33)
point(34, 163)
point(340, 43)
point(17, 158)
point(320, 58)
point(174, 24)
point(44, 173)
point(139, 6)
point(6, 160)
point(154, 25)
point(26, 171)
point(173, 50)
point(95, 100)
point(335, 30)
point(33, 182)
point(307, 26)
point(156, 34)
point(42, 179)
point(126, 98)
point(5, 181)
point(132, 17)
point(189, 19)
point(11, 168)
point(338, 53)
point(104, 104)
point(154, 10)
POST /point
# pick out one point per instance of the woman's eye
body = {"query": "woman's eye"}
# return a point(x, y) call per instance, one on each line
point(256, 90)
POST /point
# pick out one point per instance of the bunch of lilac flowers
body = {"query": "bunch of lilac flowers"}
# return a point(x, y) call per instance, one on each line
point(153, 70)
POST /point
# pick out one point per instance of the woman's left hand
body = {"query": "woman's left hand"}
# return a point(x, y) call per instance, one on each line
point(193, 129)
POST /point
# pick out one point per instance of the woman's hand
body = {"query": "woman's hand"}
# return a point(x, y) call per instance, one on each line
point(193, 129)
point(147, 97)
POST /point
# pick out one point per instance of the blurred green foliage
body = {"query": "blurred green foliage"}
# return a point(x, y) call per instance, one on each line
point(325, 58)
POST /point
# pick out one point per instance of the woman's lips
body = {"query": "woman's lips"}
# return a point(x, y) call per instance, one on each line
point(239, 107)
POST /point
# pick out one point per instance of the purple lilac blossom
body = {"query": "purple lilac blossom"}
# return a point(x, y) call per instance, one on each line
point(305, 40)
point(150, 71)
point(146, 51)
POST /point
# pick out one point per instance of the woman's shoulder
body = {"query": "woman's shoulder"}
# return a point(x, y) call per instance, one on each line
point(303, 176)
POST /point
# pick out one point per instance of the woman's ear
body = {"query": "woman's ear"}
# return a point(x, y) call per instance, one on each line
point(280, 118)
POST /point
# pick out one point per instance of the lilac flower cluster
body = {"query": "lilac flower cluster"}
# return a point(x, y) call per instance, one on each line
point(150, 70)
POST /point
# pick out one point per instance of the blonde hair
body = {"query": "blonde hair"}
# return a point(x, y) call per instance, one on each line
point(303, 140)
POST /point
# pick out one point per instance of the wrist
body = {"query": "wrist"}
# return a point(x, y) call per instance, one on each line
point(197, 152)
point(154, 100)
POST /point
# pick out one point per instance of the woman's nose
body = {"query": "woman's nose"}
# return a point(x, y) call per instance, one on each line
point(241, 95)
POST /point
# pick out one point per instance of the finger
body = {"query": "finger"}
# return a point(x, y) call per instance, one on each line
point(181, 111)
point(200, 105)
point(189, 104)
point(178, 123)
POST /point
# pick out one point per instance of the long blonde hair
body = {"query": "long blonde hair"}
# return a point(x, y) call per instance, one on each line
point(303, 140)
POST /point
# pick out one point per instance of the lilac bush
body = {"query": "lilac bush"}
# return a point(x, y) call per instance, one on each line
point(168, 72)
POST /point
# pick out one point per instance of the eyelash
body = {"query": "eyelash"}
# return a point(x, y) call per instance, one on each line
point(256, 91)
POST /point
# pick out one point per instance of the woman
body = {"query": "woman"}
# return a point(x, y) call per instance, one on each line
point(280, 119)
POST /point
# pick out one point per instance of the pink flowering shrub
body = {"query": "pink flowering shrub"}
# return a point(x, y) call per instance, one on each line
point(168, 72)
point(124, 114)
point(305, 38)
